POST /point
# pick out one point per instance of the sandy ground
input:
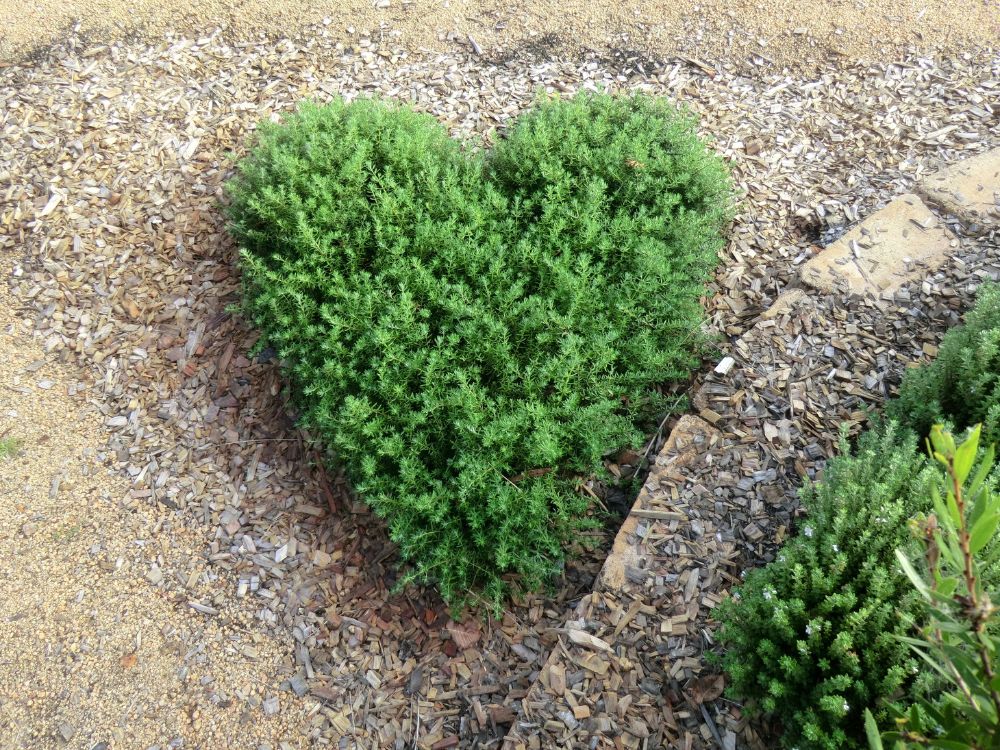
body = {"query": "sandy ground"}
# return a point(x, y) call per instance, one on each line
point(94, 654)
point(778, 31)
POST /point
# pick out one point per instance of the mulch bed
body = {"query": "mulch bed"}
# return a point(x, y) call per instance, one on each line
point(115, 157)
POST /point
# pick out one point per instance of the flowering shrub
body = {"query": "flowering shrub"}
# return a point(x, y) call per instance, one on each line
point(823, 634)
point(812, 637)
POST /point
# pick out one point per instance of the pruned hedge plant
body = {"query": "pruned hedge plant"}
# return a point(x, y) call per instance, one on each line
point(472, 331)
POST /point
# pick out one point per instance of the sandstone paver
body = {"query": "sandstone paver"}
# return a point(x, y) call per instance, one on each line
point(680, 448)
point(638, 589)
point(785, 302)
point(968, 189)
point(896, 245)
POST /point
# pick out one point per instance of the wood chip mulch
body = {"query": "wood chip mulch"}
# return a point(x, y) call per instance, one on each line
point(631, 667)
point(114, 158)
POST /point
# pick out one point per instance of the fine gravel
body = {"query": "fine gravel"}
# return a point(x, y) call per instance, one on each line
point(112, 160)
point(782, 32)
point(93, 654)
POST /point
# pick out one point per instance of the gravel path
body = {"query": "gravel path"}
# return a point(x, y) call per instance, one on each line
point(785, 32)
point(93, 652)
point(112, 158)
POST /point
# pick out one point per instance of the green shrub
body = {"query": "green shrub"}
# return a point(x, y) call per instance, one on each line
point(959, 640)
point(471, 333)
point(961, 387)
point(812, 637)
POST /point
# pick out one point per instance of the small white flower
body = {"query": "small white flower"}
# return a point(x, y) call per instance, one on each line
point(836, 548)
point(808, 531)
point(809, 629)
point(768, 593)
point(846, 707)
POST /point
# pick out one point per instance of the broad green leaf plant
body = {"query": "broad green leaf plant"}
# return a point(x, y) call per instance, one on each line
point(958, 641)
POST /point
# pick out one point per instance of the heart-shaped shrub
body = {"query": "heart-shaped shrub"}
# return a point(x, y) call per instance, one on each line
point(471, 332)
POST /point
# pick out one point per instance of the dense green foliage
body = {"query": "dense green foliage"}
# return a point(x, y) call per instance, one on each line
point(472, 332)
point(813, 635)
point(959, 641)
point(825, 633)
point(961, 386)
